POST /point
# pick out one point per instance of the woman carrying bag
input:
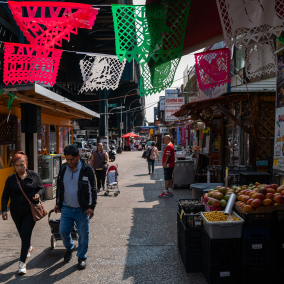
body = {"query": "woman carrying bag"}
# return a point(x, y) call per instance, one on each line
point(100, 162)
point(22, 185)
point(152, 157)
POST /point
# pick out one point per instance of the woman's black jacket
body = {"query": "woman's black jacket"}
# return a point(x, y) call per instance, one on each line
point(31, 185)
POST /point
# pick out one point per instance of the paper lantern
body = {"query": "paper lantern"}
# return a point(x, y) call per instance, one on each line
point(23, 64)
point(213, 68)
point(250, 21)
point(101, 72)
point(45, 23)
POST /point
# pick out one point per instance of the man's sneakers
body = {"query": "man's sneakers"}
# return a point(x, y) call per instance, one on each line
point(164, 194)
point(170, 194)
point(30, 251)
point(68, 255)
point(81, 263)
point(22, 268)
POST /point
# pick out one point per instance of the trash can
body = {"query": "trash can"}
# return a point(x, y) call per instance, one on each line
point(198, 189)
point(49, 192)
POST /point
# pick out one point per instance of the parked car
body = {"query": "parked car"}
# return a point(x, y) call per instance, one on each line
point(92, 143)
point(82, 145)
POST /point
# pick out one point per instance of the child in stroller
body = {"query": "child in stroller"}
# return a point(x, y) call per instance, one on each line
point(112, 181)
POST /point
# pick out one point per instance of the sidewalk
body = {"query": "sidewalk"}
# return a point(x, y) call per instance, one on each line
point(132, 237)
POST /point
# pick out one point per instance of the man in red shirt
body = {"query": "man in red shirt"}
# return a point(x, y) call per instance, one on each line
point(168, 162)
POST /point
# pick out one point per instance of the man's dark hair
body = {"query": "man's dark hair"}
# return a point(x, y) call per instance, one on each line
point(153, 144)
point(71, 150)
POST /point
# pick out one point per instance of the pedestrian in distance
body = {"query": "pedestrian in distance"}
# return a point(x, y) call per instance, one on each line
point(168, 162)
point(152, 158)
point(100, 162)
point(76, 198)
point(148, 144)
point(20, 208)
point(143, 143)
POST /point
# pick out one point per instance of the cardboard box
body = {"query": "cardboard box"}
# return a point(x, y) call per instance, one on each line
point(260, 210)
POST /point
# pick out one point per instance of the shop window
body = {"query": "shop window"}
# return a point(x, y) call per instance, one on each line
point(240, 63)
point(53, 142)
point(64, 138)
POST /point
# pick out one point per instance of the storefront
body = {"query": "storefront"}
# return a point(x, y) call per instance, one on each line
point(39, 124)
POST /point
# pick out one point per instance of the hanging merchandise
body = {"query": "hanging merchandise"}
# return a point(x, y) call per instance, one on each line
point(156, 77)
point(155, 31)
point(23, 64)
point(259, 59)
point(212, 68)
point(250, 21)
point(101, 72)
point(45, 23)
point(10, 100)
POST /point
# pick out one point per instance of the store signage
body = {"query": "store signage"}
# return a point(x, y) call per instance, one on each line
point(172, 105)
point(164, 130)
point(121, 125)
point(162, 103)
point(112, 105)
point(155, 114)
point(213, 92)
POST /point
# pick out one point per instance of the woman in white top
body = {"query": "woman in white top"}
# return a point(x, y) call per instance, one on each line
point(152, 158)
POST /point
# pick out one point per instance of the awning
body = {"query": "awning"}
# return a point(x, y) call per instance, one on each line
point(50, 102)
point(203, 26)
point(267, 85)
point(200, 105)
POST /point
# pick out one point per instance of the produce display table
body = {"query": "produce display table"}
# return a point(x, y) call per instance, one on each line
point(198, 189)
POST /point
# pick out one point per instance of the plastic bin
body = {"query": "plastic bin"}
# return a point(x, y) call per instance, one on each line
point(277, 252)
point(256, 274)
point(192, 221)
point(216, 251)
point(253, 177)
point(256, 252)
point(222, 274)
point(198, 189)
point(190, 208)
point(224, 230)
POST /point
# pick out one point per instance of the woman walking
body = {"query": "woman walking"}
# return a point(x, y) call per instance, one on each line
point(152, 158)
point(19, 207)
point(100, 162)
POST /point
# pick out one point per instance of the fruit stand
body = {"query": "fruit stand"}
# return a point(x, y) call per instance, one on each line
point(239, 247)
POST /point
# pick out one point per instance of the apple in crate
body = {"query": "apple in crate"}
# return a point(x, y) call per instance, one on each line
point(256, 203)
point(279, 199)
point(267, 202)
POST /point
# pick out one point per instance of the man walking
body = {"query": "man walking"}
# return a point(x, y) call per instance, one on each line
point(76, 198)
point(168, 162)
point(143, 144)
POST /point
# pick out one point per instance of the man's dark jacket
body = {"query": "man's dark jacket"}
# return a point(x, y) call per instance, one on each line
point(87, 192)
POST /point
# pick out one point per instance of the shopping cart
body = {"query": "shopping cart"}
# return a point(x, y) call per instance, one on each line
point(55, 235)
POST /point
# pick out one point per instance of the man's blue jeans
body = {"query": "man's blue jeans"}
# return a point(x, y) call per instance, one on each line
point(70, 215)
point(151, 163)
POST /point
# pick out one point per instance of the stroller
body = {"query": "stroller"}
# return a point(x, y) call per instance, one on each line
point(112, 182)
point(54, 226)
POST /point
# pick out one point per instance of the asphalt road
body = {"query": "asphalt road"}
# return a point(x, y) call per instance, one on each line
point(132, 237)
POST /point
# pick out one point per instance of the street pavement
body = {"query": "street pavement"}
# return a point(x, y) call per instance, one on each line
point(133, 237)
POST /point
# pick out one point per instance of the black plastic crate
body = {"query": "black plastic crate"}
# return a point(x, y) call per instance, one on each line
point(258, 220)
point(256, 233)
point(222, 274)
point(192, 261)
point(253, 177)
point(191, 239)
point(257, 274)
point(256, 252)
point(191, 221)
point(278, 228)
point(190, 208)
point(277, 252)
point(219, 251)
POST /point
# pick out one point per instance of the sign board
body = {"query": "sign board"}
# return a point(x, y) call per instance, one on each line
point(162, 103)
point(164, 130)
point(121, 125)
point(279, 139)
point(172, 105)
point(112, 105)
point(173, 93)
point(213, 92)
point(155, 114)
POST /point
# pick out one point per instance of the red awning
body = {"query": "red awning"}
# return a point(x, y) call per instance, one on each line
point(203, 25)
